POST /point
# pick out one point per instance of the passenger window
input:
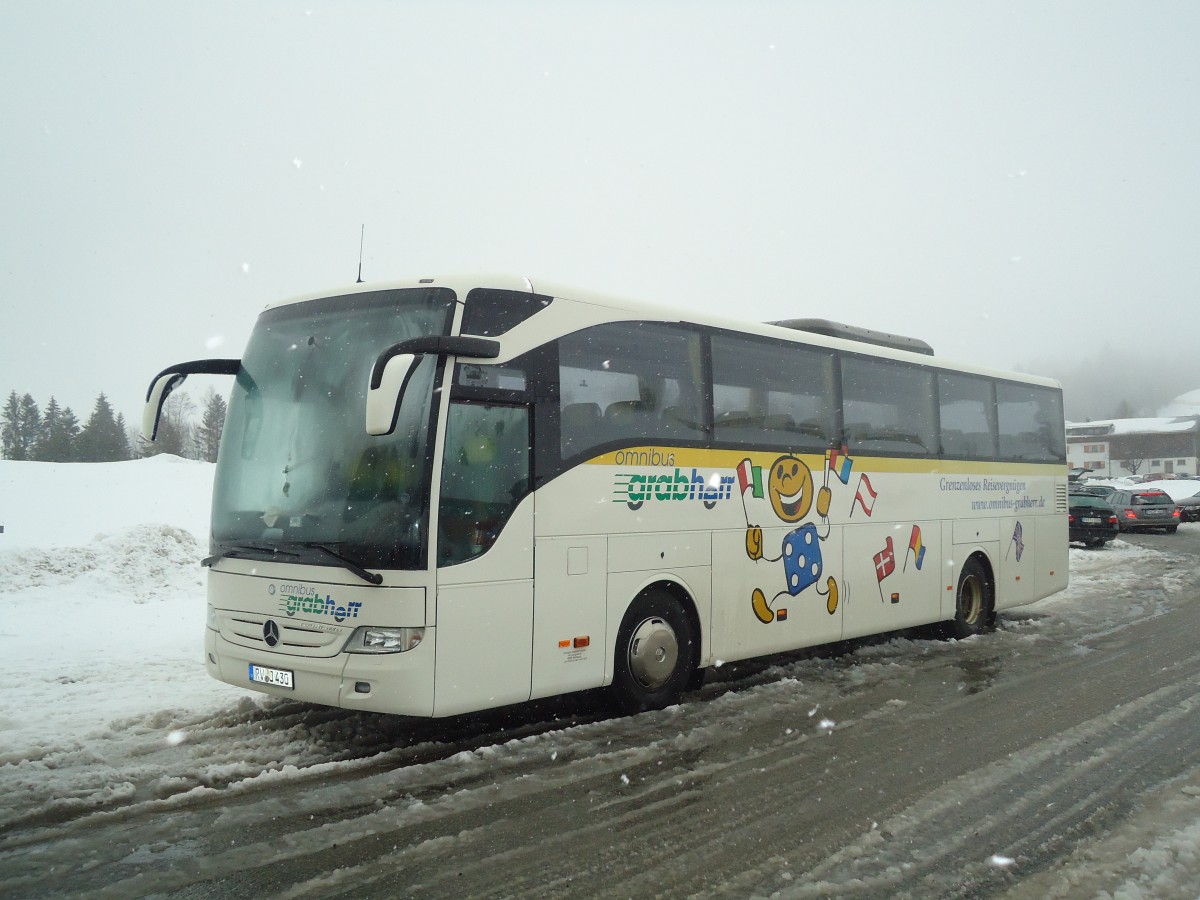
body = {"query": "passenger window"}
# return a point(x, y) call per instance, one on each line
point(485, 473)
point(887, 407)
point(1031, 422)
point(629, 383)
point(967, 414)
point(772, 394)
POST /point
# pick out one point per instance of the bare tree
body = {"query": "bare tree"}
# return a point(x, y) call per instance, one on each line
point(212, 423)
point(176, 434)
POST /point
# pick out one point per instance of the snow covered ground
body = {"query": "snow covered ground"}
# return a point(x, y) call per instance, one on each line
point(103, 609)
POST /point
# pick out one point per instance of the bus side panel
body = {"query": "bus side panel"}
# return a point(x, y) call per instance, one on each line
point(1052, 554)
point(796, 594)
point(893, 575)
point(482, 646)
point(569, 621)
point(1017, 578)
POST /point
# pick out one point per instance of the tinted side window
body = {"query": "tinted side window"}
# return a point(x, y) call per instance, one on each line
point(887, 407)
point(1031, 423)
point(968, 418)
point(632, 383)
point(491, 312)
point(772, 394)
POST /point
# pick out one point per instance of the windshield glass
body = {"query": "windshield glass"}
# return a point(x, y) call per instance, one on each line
point(296, 465)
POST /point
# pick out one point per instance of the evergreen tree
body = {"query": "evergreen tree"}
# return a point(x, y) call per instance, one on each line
point(70, 429)
point(56, 439)
point(122, 438)
point(208, 434)
point(102, 440)
point(31, 424)
point(22, 423)
point(10, 425)
point(49, 422)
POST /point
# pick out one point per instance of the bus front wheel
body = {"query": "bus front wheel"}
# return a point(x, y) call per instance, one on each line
point(974, 605)
point(655, 654)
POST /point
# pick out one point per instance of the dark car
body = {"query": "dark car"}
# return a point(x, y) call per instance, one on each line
point(1091, 520)
point(1189, 508)
point(1094, 490)
point(1145, 510)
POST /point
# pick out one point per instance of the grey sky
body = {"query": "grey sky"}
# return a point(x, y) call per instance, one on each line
point(1000, 179)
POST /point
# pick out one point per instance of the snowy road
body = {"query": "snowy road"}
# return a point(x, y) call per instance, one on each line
point(1056, 757)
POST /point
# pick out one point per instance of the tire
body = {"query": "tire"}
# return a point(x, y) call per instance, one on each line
point(974, 602)
point(655, 656)
point(1171, 529)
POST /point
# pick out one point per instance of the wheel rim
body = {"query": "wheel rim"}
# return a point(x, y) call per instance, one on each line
point(970, 599)
point(653, 653)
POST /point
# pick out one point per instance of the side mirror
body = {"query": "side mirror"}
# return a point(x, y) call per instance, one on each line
point(395, 366)
point(384, 392)
point(169, 379)
point(160, 389)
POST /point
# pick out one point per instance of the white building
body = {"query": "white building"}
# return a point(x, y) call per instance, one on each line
point(1168, 444)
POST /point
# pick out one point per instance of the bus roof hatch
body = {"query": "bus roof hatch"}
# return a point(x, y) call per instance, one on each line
point(854, 333)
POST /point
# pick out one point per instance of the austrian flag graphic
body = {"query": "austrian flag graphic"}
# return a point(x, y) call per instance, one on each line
point(865, 495)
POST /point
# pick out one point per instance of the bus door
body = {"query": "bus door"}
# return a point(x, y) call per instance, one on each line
point(484, 612)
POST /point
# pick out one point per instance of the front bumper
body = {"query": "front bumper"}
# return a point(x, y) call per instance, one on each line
point(397, 683)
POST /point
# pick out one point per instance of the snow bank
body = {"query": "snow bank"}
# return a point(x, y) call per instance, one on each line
point(104, 603)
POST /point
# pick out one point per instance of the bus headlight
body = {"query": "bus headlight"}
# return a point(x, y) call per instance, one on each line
point(369, 639)
point(212, 619)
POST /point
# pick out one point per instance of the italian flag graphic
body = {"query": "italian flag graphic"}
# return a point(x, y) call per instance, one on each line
point(750, 476)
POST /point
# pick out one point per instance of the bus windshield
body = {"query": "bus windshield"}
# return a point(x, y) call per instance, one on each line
point(297, 474)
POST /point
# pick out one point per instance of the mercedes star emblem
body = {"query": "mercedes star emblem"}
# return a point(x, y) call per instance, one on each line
point(271, 632)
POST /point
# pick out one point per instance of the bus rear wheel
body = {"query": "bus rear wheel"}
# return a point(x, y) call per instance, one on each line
point(655, 657)
point(974, 603)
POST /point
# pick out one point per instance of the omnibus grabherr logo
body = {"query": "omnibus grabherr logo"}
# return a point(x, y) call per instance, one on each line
point(300, 598)
point(634, 488)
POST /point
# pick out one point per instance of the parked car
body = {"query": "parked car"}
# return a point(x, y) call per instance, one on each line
point(1145, 510)
point(1093, 490)
point(1189, 508)
point(1090, 520)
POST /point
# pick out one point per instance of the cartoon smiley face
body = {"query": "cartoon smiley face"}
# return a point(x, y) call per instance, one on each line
point(790, 486)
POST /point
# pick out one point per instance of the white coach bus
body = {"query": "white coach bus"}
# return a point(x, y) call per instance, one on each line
point(446, 495)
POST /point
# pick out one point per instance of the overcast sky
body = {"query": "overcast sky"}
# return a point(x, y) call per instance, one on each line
point(1001, 179)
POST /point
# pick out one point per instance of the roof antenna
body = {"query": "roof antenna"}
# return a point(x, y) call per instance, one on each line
point(361, 235)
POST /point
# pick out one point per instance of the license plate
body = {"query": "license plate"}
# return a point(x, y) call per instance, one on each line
point(1156, 512)
point(1091, 521)
point(274, 677)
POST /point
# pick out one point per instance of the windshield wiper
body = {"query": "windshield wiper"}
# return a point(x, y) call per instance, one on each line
point(247, 550)
point(351, 565)
point(259, 549)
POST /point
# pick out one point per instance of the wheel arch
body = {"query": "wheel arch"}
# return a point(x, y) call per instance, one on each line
point(672, 588)
point(980, 557)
